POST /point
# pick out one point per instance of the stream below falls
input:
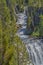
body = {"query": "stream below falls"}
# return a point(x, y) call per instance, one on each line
point(33, 46)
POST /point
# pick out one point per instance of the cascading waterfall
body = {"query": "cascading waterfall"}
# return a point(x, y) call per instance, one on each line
point(34, 46)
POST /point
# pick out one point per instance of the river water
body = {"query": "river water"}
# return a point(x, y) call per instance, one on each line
point(33, 46)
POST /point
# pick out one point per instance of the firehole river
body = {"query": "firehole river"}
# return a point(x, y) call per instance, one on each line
point(33, 46)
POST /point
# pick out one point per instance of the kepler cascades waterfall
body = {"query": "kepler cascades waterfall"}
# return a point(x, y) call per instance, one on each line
point(33, 46)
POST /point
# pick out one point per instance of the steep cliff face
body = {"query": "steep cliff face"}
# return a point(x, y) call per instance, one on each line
point(34, 18)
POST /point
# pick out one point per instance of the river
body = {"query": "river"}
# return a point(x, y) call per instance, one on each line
point(33, 46)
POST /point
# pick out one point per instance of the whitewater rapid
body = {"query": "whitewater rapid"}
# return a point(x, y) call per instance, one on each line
point(33, 46)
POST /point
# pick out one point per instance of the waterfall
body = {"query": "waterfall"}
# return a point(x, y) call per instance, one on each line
point(34, 47)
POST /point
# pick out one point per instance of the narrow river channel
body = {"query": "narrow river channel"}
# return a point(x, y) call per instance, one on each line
point(33, 46)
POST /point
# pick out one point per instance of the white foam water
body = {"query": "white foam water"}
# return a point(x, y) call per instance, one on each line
point(34, 47)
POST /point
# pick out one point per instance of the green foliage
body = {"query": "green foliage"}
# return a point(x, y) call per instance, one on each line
point(35, 33)
point(12, 50)
point(20, 53)
point(35, 3)
point(29, 22)
point(41, 25)
point(6, 49)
